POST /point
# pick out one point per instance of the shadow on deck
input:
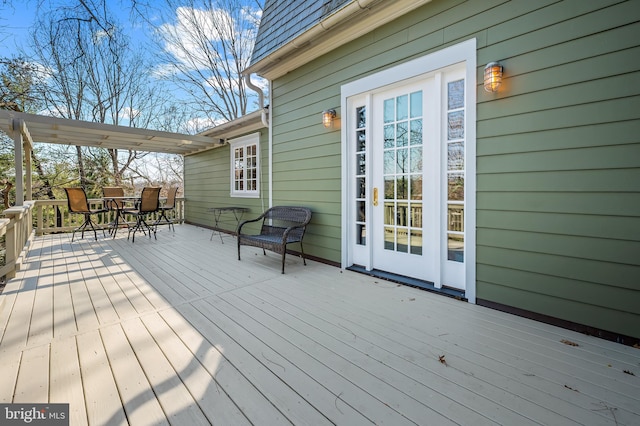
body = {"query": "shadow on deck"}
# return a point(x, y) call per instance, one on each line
point(178, 331)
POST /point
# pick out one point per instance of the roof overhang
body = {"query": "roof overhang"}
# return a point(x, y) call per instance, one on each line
point(346, 24)
point(241, 126)
point(75, 132)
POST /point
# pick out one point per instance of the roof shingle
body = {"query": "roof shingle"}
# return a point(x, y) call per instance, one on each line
point(284, 20)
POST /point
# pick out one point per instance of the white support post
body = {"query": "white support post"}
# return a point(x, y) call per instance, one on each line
point(27, 143)
point(28, 181)
point(18, 144)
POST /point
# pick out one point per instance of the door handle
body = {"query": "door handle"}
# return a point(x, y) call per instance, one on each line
point(375, 196)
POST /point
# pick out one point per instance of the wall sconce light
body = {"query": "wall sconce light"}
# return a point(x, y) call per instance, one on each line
point(492, 76)
point(327, 117)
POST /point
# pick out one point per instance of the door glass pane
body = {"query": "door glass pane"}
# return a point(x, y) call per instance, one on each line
point(402, 190)
point(416, 187)
point(415, 136)
point(389, 238)
point(361, 188)
point(416, 104)
point(389, 188)
point(402, 134)
point(455, 125)
point(402, 104)
point(455, 218)
point(360, 205)
point(416, 160)
point(361, 117)
point(455, 156)
point(416, 215)
point(455, 94)
point(455, 247)
point(402, 240)
point(402, 162)
point(389, 111)
point(360, 164)
point(389, 213)
point(455, 187)
point(362, 140)
point(416, 242)
point(389, 162)
point(361, 234)
point(402, 219)
point(389, 136)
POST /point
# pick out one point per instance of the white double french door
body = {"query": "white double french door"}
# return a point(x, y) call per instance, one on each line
point(407, 206)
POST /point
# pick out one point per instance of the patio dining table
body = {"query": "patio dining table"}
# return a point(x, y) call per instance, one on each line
point(119, 205)
point(218, 212)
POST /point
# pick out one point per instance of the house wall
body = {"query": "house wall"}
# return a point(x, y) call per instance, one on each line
point(558, 165)
point(207, 180)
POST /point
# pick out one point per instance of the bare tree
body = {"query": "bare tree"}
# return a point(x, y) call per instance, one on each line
point(93, 74)
point(18, 86)
point(206, 44)
point(55, 41)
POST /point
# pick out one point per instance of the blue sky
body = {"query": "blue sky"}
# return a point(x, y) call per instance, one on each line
point(18, 18)
point(15, 22)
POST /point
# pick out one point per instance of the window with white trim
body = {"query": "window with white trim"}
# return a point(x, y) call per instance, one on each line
point(245, 166)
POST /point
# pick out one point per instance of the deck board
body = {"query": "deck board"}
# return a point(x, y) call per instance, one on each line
point(224, 379)
point(140, 403)
point(214, 402)
point(414, 378)
point(178, 331)
point(101, 397)
point(66, 379)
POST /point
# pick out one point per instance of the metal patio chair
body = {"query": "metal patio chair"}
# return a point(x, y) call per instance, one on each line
point(149, 203)
point(169, 205)
point(112, 199)
point(79, 204)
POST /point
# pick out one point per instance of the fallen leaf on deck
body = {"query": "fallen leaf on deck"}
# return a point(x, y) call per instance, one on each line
point(569, 342)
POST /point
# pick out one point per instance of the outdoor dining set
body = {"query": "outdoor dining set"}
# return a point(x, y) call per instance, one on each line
point(279, 226)
point(140, 213)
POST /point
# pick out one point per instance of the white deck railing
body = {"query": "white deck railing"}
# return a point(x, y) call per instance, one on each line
point(53, 215)
point(17, 228)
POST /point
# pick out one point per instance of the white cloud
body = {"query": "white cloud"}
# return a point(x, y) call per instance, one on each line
point(200, 124)
point(184, 39)
point(129, 113)
point(163, 71)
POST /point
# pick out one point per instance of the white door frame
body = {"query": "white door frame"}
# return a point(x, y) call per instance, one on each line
point(465, 53)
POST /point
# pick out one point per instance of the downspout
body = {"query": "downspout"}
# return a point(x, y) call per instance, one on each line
point(267, 123)
point(270, 149)
point(247, 80)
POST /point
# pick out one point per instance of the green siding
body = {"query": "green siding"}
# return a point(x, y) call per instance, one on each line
point(558, 213)
point(558, 151)
point(207, 180)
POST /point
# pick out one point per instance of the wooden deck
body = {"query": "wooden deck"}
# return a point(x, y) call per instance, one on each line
point(177, 331)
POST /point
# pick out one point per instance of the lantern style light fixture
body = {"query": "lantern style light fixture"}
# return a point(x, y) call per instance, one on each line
point(327, 117)
point(492, 76)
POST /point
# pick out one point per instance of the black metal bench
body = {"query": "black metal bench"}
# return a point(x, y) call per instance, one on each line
point(281, 225)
